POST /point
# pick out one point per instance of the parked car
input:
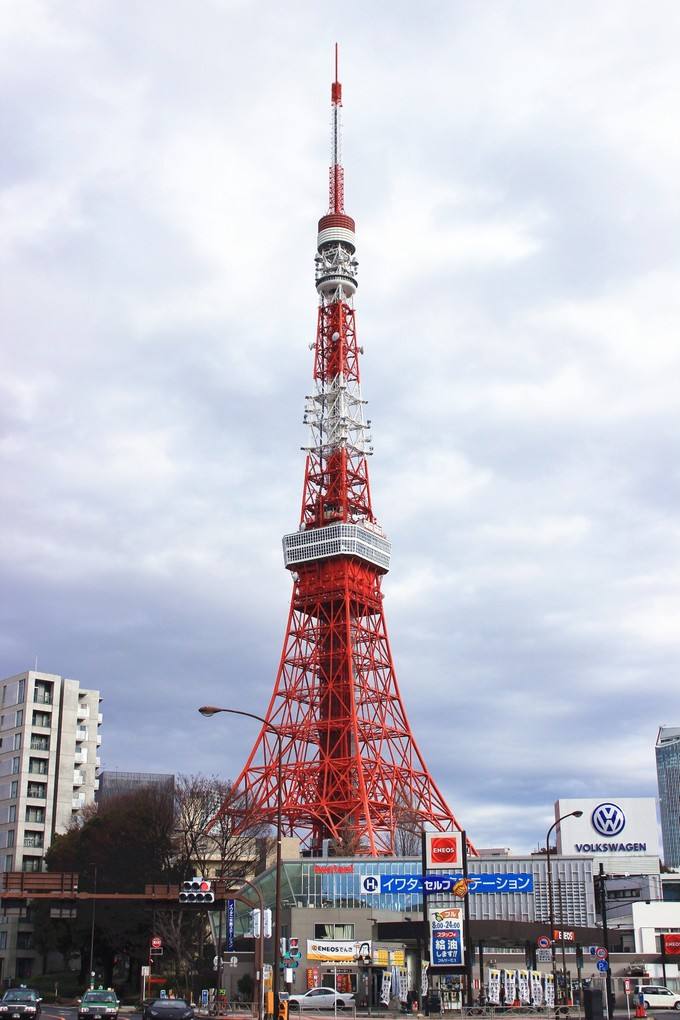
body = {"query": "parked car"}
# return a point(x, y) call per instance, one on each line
point(20, 1002)
point(659, 997)
point(97, 1003)
point(167, 1009)
point(321, 998)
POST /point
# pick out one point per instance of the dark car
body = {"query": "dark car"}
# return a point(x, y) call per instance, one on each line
point(98, 1003)
point(20, 1002)
point(167, 1009)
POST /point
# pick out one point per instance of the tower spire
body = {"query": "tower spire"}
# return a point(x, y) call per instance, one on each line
point(336, 182)
point(336, 733)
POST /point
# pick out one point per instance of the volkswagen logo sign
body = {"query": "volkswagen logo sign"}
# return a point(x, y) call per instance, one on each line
point(608, 819)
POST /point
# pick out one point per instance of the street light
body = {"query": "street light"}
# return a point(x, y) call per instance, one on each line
point(209, 711)
point(94, 905)
point(551, 906)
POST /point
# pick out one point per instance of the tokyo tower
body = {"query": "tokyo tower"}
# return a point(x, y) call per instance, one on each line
point(350, 769)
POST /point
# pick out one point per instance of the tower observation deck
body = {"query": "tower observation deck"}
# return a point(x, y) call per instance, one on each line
point(351, 771)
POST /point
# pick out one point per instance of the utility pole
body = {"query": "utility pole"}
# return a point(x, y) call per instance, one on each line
point(605, 939)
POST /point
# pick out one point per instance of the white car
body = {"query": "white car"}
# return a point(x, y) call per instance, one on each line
point(659, 997)
point(321, 998)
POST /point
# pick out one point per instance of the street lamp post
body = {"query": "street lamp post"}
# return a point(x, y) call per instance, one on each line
point(551, 905)
point(94, 906)
point(208, 711)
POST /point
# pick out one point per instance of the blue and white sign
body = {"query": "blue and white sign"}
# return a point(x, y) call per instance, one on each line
point(370, 884)
point(602, 965)
point(231, 916)
point(204, 997)
point(608, 826)
point(446, 937)
point(608, 819)
point(434, 884)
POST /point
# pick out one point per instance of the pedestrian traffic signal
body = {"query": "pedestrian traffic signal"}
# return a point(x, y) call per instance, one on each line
point(283, 1010)
point(197, 891)
point(256, 922)
point(294, 949)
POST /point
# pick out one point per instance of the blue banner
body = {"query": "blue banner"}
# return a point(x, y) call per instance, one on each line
point(433, 884)
point(231, 916)
point(445, 948)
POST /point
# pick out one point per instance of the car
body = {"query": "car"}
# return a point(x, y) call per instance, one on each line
point(321, 998)
point(167, 1009)
point(658, 997)
point(97, 1003)
point(20, 1002)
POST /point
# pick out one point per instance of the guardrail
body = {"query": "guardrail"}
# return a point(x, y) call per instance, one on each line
point(548, 1011)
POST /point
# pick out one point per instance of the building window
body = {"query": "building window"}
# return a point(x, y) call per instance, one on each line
point(17, 741)
point(24, 967)
point(10, 837)
point(12, 813)
point(9, 861)
point(14, 789)
point(3, 940)
point(38, 766)
point(42, 693)
point(32, 864)
point(15, 765)
point(24, 940)
point(33, 814)
point(42, 719)
point(333, 931)
point(33, 839)
point(37, 790)
point(19, 721)
point(39, 743)
point(21, 691)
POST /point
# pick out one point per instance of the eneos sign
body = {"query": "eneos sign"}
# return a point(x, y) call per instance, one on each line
point(443, 850)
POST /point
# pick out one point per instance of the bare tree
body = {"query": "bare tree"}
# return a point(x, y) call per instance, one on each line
point(214, 834)
point(408, 826)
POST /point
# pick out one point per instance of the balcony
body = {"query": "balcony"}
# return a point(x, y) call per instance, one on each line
point(100, 719)
point(40, 743)
point(37, 791)
point(98, 762)
point(42, 697)
point(78, 778)
point(78, 802)
point(99, 740)
point(83, 711)
point(34, 842)
point(80, 756)
point(37, 767)
point(81, 733)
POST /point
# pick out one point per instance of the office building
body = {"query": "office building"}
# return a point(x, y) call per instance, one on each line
point(116, 784)
point(668, 778)
point(49, 746)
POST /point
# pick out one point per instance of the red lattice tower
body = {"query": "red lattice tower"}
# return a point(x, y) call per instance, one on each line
point(351, 771)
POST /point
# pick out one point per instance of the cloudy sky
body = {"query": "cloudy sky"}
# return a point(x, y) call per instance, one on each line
point(513, 169)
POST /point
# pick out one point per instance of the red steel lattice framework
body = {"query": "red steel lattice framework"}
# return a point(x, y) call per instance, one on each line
point(350, 768)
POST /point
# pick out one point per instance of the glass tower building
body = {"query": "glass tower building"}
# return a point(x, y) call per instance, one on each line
point(668, 776)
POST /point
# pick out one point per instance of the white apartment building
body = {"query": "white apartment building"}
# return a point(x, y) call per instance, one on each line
point(49, 747)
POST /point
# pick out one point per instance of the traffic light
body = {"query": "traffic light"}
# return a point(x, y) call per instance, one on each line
point(197, 891)
point(267, 923)
point(294, 949)
point(257, 921)
point(283, 1010)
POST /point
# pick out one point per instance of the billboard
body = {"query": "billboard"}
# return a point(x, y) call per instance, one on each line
point(446, 937)
point(609, 826)
point(443, 850)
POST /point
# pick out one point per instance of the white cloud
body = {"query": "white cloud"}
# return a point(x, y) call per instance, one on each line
point(513, 176)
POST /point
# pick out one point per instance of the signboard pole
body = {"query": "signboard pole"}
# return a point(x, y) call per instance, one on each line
point(466, 927)
point(663, 959)
point(425, 1005)
point(605, 935)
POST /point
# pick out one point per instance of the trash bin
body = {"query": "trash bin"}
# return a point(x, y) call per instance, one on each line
point(593, 1004)
point(434, 1003)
